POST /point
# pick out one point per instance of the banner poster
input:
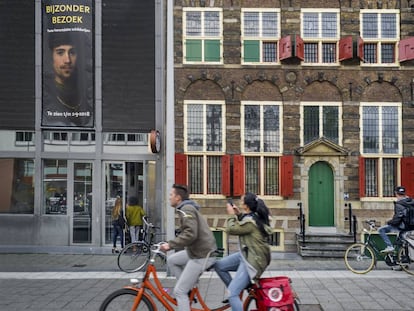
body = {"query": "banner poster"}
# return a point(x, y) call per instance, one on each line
point(68, 86)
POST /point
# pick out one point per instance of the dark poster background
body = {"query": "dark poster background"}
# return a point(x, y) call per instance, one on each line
point(17, 64)
point(128, 64)
point(68, 93)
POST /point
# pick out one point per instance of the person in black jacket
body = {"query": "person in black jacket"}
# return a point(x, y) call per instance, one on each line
point(397, 223)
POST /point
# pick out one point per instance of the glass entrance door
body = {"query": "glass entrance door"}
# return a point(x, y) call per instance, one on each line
point(122, 180)
point(82, 202)
point(114, 188)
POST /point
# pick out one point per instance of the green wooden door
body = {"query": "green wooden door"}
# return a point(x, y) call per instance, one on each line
point(321, 195)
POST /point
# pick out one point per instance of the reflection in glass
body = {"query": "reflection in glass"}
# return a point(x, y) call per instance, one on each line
point(55, 186)
point(17, 186)
point(82, 203)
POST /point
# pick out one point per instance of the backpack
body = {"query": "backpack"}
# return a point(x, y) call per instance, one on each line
point(409, 217)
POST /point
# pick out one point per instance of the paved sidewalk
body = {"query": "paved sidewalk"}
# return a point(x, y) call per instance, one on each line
point(71, 280)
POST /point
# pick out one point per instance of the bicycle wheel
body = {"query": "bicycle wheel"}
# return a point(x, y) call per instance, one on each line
point(251, 305)
point(123, 299)
point(134, 257)
point(359, 258)
point(404, 260)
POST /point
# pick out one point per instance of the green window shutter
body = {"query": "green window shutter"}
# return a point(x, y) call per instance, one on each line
point(251, 51)
point(193, 50)
point(212, 50)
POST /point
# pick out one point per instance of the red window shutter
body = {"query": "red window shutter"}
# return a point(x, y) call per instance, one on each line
point(407, 175)
point(406, 49)
point(225, 175)
point(360, 48)
point(286, 176)
point(299, 48)
point(361, 177)
point(238, 175)
point(345, 48)
point(180, 169)
point(285, 48)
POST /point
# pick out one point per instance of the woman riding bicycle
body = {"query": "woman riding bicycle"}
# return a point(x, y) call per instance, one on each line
point(252, 227)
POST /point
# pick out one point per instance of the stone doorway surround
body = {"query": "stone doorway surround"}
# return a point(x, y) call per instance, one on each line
point(335, 156)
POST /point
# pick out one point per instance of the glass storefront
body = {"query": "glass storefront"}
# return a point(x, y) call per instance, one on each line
point(55, 179)
point(82, 203)
point(17, 186)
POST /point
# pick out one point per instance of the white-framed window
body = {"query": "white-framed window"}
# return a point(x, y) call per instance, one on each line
point(261, 146)
point(260, 29)
point(24, 138)
point(381, 147)
point(321, 120)
point(320, 34)
point(380, 33)
point(204, 145)
point(202, 35)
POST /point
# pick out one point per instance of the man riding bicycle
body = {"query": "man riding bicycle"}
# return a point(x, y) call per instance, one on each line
point(195, 242)
point(397, 223)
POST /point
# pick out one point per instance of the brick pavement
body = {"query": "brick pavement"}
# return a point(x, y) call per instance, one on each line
point(73, 281)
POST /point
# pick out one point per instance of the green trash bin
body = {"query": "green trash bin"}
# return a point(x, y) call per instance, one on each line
point(219, 236)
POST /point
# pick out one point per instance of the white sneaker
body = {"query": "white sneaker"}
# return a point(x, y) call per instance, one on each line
point(388, 249)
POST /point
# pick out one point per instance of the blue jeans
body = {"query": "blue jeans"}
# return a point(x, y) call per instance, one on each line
point(383, 233)
point(235, 285)
point(117, 231)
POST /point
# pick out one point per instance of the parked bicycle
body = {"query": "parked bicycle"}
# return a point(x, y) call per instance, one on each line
point(149, 294)
point(136, 255)
point(362, 257)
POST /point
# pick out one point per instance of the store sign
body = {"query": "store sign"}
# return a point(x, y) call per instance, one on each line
point(68, 84)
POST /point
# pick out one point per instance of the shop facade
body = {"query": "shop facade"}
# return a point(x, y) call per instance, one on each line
point(63, 168)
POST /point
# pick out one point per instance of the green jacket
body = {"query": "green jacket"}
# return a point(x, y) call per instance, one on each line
point(253, 245)
point(134, 215)
point(195, 234)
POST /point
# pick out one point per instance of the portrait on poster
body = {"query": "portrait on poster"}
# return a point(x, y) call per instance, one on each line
point(67, 84)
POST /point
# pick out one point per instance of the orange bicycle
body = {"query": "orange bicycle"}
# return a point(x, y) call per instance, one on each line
point(140, 295)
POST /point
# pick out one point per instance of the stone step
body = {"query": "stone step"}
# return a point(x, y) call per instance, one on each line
point(323, 245)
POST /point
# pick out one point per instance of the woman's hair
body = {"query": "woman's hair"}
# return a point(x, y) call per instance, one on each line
point(116, 211)
point(259, 209)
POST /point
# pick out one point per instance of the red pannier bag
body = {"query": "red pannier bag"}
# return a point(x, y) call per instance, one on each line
point(274, 294)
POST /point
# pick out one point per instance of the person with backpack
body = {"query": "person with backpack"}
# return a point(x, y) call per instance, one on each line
point(399, 220)
point(252, 227)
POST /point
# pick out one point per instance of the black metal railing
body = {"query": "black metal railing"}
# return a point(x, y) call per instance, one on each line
point(352, 221)
point(301, 222)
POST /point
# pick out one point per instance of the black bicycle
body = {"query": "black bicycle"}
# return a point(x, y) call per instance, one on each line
point(362, 257)
point(136, 255)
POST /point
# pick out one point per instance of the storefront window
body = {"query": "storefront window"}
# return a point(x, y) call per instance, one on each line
point(55, 186)
point(82, 203)
point(17, 186)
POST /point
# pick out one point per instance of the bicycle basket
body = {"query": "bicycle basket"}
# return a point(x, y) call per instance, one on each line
point(274, 292)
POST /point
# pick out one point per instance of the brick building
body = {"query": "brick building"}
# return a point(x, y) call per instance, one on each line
point(309, 104)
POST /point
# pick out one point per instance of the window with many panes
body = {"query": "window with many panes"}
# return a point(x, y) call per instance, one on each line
point(320, 34)
point(202, 31)
point(261, 144)
point(321, 120)
point(380, 34)
point(204, 130)
point(380, 148)
point(260, 35)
